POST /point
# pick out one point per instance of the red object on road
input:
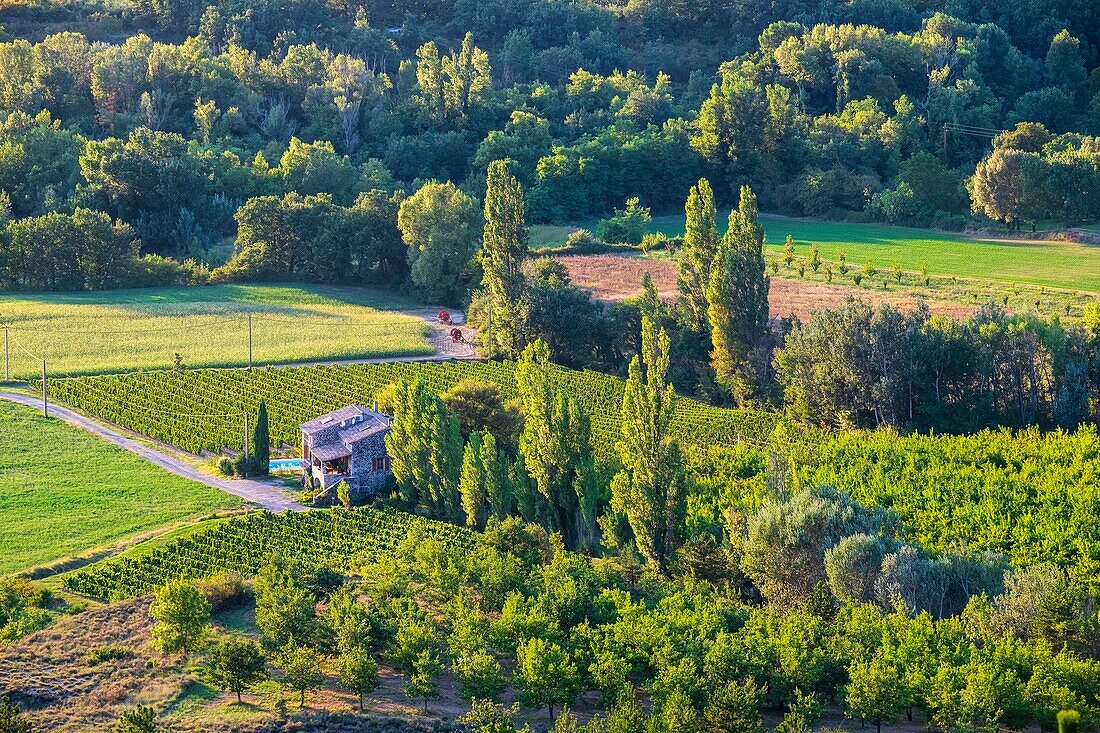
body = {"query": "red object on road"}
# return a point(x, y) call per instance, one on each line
point(456, 334)
point(444, 317)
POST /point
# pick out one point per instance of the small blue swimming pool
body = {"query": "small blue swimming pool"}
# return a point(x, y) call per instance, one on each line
point(284, 464)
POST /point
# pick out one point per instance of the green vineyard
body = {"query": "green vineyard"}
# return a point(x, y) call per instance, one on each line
point(338, 539)
point(203, 410)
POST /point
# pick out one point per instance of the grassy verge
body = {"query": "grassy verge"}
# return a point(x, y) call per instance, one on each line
point(64, 492)
point(123, 330)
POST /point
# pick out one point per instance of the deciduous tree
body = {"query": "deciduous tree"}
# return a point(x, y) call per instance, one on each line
point(697, 253)
point(649, 490)
point(439, 223)
point(182, 617)
point(545, 675)
point(301, 670)
point(737, 295)
point(236, 664)
point(358, 672)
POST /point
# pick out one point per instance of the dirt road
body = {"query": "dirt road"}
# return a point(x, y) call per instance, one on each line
point(261, 494)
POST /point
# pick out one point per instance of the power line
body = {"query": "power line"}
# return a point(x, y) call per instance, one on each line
point(963, 129)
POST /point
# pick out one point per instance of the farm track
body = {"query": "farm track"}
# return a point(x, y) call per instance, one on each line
point(263, 495)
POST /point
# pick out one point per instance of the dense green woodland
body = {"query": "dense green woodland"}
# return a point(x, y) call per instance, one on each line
point(182, 130)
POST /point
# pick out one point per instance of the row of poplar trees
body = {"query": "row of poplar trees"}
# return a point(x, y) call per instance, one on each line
point(552, 475)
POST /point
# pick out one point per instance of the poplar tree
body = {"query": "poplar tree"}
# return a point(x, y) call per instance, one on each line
point(503, 249)
point(472, 484)
point(425, 446)
point(649, 490)
point(697, 253)
point(429, 78)
point(494, 468)
point(556, 447)
point(738, 298)
point(467, 76)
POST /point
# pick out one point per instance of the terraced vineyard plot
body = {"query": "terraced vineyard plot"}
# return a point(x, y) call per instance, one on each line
point(204, 409)
point(336, 538)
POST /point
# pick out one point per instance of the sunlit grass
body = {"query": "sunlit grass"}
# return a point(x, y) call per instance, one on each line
point(1047, 263)
point(64, 492)
point(124, 330)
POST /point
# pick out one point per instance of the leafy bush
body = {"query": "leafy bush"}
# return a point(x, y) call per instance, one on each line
point(107, 653)
point(224, 590)
point(625, 226)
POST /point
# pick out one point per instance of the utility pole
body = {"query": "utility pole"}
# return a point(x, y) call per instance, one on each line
point(45, 403)
point(249, 354)
point(7, 354)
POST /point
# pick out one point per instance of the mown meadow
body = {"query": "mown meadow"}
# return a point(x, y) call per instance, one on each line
point(125, 330)
point(64, 492)
point(1052, 264)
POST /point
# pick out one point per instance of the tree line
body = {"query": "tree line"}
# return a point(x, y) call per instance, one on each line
point(820, 114)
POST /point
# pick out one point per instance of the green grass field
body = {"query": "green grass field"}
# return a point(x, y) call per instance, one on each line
point(64, 492)
point(1053, 264)
point(124, 330)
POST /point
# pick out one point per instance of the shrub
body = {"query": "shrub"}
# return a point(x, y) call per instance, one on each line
point(654, 241)
point(625, 226)
point(107, 653)
point(224, 591)
point(1069, 721)
point(581, 238)
point(225, 466)
point(156, 271)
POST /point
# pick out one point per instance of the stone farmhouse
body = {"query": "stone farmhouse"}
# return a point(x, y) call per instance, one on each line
point(347, 444)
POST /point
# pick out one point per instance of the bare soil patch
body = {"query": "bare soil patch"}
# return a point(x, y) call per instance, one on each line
point(615, 277)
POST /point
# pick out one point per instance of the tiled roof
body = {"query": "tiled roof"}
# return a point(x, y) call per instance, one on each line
point(334, 418)
point(334, 434)
point(331, 451)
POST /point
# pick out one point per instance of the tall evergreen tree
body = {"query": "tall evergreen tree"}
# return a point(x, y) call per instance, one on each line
point(649, 490)
point(503, 249)
point(738, 304)
point(697, 254)
point(261, 442)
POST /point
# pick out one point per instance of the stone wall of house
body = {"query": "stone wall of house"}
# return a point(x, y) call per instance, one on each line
point(366, 482)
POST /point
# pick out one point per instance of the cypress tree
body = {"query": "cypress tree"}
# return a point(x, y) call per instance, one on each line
point(261, 442)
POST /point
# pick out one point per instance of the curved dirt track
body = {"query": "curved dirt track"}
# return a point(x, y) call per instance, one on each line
point(261, 494)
